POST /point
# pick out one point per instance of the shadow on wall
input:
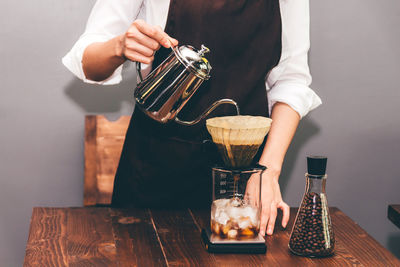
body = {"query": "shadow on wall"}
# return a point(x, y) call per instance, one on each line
point(111, 100)
point(393, 243)
point(306, 130)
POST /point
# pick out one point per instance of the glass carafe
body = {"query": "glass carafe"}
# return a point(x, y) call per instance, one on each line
point(235, 211)
point(312, 233)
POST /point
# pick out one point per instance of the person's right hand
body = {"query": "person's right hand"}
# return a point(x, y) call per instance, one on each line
point(142, 40)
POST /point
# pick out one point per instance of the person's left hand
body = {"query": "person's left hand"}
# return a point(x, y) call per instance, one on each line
point(271, 200)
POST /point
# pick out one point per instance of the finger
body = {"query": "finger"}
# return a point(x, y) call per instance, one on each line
point(135, 34)
point(286, 213)
point(136, 47)
point(264, 220)
point(247, 194)
point(254, 198)
point(251, 192)
point(153, 32)
point(135, 56)
point(173, 41)
point(272, 219)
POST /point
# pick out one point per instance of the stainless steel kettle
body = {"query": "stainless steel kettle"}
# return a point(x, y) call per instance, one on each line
point(164, 92)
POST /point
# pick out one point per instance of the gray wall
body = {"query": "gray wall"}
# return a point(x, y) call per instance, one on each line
point(355, 63)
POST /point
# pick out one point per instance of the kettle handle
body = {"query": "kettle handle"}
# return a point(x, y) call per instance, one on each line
point(139, 65)
point(208, 111)
point(139, 71)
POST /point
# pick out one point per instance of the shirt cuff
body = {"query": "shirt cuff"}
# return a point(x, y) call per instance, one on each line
point(73, 61)
point(298, 96)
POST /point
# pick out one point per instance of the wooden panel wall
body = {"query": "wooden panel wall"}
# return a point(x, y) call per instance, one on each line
point(103, 145)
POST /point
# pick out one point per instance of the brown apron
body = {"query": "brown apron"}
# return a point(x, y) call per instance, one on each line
point(170, 165)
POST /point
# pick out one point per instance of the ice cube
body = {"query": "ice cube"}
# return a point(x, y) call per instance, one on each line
point(236, 202)
point(251, 212)
point(219, 211)
point(234, 213)
point(232, 234)
point(245, 222)
point(221, 217)
point(219, 203)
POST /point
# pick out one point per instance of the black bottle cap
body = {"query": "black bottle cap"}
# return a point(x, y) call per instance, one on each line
point(316, 165)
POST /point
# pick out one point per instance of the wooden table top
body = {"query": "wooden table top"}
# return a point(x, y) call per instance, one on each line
point(116, 237)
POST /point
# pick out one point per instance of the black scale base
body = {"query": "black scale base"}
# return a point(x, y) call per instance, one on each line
point(214, 245)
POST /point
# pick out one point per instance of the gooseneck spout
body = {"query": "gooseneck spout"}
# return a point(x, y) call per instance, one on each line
point(209, 110)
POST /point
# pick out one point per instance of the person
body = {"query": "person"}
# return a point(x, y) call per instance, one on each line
point(259, 59)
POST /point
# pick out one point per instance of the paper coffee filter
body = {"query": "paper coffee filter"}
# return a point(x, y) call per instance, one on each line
point(238, 130)
point(238, 137)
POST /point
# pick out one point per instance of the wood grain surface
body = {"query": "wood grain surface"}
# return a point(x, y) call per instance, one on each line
point(95, 236)
point(103, 145)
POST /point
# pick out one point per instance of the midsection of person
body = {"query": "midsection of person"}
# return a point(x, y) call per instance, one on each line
point(239, 70)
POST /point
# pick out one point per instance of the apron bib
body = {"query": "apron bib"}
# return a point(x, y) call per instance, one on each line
point(170, 165)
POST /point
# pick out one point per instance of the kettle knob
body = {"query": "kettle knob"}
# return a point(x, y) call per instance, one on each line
point(204, 49)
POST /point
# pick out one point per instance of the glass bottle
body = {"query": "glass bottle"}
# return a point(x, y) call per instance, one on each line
point(312, 234)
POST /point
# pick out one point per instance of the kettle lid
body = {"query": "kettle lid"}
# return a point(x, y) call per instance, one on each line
point(194, 60)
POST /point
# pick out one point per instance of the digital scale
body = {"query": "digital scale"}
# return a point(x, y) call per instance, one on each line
point(215, 244)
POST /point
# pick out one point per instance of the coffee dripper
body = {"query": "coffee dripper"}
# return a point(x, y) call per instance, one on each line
point(236, 192)
point(166, 90)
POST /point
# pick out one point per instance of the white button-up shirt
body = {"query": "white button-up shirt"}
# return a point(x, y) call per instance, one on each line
point(288, 82)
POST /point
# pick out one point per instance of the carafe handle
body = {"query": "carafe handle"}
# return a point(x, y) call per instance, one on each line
point(139, 71)
point(208, 111)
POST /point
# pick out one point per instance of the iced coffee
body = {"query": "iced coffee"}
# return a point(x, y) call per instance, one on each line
point(234, 219)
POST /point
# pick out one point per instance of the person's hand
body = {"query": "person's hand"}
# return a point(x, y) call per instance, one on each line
point(142, 40)
point(271, 200)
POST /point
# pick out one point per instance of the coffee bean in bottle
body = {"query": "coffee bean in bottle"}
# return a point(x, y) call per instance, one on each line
point(312, 234)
